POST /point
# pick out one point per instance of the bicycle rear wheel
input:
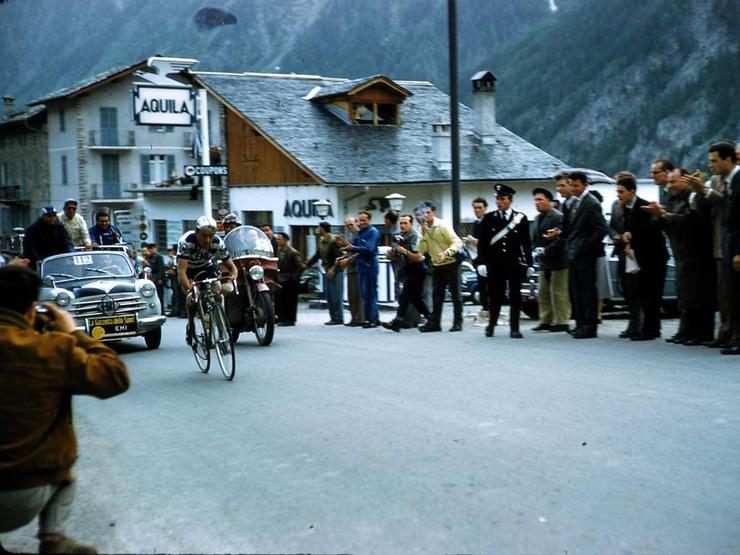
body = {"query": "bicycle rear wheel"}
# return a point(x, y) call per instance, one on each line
point(222, 343)
point(199, 344)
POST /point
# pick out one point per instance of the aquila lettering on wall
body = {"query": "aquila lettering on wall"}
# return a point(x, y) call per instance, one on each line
point(302, 209)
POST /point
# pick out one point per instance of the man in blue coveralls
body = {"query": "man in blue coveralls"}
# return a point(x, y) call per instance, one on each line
point(365, 245)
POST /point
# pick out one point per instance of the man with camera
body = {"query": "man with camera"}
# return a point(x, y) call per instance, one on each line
point(41, 371)
point(410, 273)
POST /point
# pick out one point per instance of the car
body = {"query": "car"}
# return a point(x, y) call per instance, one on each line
point(615, 300)
point(469, 283)
point(101, 291)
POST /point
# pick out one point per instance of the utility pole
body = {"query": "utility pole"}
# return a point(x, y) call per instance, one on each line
point(454, 116)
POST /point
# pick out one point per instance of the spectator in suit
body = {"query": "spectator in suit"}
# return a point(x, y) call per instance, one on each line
point(348, 263)
point(726, 186)
point(720, 188)
point(290, 267)
point(627, 280)
point(585, 228)
point(603, 287)
point(659, 172)
point(644, 239)
point(553, 300)
point(480, 206)
point(686, 219)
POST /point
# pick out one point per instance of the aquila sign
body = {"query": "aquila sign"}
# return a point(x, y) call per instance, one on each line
point(162, 105)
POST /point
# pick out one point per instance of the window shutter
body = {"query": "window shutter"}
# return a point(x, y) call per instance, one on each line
point(170, 165)
point(144, 160)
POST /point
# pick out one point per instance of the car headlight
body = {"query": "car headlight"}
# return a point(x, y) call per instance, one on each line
point(256, 273)
point(148, 289)
point(63, 299)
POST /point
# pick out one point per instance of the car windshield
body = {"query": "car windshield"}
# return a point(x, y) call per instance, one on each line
point(88, 265)
point(247, 240)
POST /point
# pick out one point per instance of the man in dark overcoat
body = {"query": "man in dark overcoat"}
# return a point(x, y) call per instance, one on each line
point(686, 219)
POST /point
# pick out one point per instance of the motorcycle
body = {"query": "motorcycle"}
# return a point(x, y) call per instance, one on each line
point(250, 308)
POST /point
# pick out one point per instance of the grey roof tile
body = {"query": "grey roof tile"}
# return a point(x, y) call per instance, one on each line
point(358, 154)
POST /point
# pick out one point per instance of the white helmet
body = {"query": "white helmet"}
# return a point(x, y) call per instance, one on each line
point(205, 222)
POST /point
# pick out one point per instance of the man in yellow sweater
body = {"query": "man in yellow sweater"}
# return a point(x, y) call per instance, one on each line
point(442, 244)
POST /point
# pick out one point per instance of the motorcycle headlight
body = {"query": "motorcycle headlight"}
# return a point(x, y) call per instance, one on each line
point(256, 273)
point(63, 299)
point(148, 290)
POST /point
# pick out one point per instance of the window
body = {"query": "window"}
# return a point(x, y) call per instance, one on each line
point(109, 126)
point(160, 234)
point(157, 168)
point(188, 225)
point(62, 123)
point(161, 128)
point(4, 173)
point(372, 113)
point(257, 217)
point(111, 176)
point(64, 170)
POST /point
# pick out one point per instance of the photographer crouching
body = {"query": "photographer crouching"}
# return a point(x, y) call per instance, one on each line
point(40, 372)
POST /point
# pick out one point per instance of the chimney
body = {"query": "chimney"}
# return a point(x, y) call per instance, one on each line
point(484, 106)
point(9, 105)
point(442, 146)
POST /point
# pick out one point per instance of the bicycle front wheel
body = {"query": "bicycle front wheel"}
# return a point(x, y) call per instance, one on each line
point(222, 343)
point(199, 344)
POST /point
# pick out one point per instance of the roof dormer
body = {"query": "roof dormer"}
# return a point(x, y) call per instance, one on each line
point(368, 101)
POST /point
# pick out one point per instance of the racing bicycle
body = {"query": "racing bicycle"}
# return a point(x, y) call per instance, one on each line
point(211, 331)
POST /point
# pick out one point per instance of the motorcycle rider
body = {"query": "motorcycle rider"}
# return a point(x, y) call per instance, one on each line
point(202, 252)
point(230, 222)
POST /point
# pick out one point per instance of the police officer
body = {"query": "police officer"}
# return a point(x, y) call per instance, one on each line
point(505, 253)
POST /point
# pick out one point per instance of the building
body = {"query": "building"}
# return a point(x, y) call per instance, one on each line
point(288, 141)
point(24, 175)
point(295, 139)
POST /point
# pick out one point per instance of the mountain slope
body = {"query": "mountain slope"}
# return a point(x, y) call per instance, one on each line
point(613, 85)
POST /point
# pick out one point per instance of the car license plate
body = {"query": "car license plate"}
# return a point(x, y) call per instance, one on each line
point(109, 327)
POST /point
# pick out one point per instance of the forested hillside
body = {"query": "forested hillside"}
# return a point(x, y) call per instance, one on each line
point(612, 85)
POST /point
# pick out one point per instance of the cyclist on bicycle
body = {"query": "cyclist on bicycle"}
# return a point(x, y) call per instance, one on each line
point(202, 251)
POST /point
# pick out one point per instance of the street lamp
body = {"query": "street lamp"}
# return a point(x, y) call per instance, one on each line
point(322, 208)
point(395, 200)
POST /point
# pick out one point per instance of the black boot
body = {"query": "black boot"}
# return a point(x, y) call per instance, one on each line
point(514, 325)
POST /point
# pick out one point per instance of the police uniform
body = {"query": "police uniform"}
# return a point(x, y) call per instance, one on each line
point(506, 260)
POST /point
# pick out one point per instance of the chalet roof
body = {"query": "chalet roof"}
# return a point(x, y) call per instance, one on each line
point(344, 154)
point(90, 82)
point(350, 86)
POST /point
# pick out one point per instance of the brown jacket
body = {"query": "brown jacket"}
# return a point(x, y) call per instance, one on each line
point(39, 374)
